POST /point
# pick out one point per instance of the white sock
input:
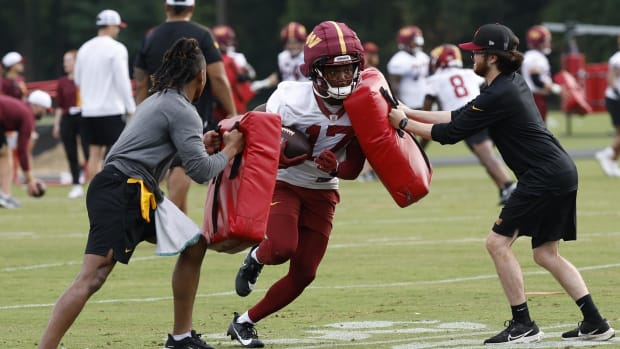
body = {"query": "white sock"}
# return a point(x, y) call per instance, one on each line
point(245, 317)
point(178, 337)
point(253, 255)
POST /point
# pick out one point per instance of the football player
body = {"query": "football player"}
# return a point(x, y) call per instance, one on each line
point(293, 35)
point(536, 69)
point(306, 192)
point(451, 86)
point(408, 68)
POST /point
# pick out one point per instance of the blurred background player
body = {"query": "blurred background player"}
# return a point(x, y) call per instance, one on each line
point(179, 24)
point(608, 157)
point(306, 193)
point(238, 70)
point(13, 82)
point(408, 68)
point(16, 115)
point(102, 75)
point(536, 69)
point(451, 86)
point(68, 123)
point(293, 36)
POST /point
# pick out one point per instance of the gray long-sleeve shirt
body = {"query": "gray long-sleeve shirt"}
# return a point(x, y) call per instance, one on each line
point(164, 124)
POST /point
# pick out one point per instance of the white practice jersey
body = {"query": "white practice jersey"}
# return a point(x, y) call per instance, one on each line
point(614, 63)
point(297, 105)
point(536, 61)
point(289, 66)
point(454, 87)
point(413, 70)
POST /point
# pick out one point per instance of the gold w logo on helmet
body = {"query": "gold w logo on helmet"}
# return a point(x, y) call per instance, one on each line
point(313, 40)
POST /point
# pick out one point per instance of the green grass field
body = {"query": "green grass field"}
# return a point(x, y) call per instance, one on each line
point(399, 278)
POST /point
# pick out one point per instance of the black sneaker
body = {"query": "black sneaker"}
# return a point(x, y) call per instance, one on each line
point(587, 331)
point(192, 342)
point(516, 332)
point(247, 275)
point(505, 193)
point(245, 333)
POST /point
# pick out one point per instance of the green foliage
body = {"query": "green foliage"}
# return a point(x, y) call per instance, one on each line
point(411, 275)
point(43, 29)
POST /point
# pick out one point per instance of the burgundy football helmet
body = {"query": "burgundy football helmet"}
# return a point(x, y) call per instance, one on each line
point(224, 35)
point(446, 55)
point(332, 44)
point(293, 30)
point(409, 34)
point(539, 38)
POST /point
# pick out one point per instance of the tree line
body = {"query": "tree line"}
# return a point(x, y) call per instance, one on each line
point(42, 30)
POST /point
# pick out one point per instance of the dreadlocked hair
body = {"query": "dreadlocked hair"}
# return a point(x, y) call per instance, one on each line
point(181, 64)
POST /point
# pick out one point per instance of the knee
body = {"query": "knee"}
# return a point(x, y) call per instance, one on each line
point(281, 254)
point(542, 257)
point(496, 244)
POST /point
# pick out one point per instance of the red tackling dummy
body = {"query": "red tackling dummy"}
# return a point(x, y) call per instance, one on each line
point(398, 160)
point(573, 96)
point(237, 208)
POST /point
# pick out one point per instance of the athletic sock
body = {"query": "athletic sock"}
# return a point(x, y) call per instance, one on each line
point(588, 309)
point(178, 337)
point(253, 255)
point(245, 317)
point(520, 313)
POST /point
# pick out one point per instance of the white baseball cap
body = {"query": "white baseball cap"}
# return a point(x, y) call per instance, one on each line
point(40, 98)
point(180, 2)
point(110, 17)
point(11, 58)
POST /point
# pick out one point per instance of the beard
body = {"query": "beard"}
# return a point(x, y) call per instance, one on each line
point(481, 68)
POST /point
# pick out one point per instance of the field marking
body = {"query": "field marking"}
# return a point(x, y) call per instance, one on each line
point(312, 287)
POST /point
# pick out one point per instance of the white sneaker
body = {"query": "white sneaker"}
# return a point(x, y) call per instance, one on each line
point(609, 166)
point(76, 192)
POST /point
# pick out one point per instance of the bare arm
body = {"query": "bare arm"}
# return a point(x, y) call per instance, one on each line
point(221, 86)
point(142, 84)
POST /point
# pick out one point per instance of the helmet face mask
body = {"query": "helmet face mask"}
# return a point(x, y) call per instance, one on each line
point(335, 77)
point(410, 37)
point(333, 60)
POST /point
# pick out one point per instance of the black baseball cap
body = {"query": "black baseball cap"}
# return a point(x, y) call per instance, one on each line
point(493, 36)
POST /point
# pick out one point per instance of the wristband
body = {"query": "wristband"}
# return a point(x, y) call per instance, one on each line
point(403, 123)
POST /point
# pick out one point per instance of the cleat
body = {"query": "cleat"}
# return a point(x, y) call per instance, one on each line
point(516, 332)
point(608, 164)
point(244, 333)
point(505, 193)
point(192, 342)
point(587, 331)
point(76, 192)
point(7, 201)
point(247, 275)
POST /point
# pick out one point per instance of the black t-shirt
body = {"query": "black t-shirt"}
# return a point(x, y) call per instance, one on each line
point(159, 40)
point(507, 109)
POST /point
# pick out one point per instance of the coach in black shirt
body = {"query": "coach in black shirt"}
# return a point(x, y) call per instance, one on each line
point(543, 206)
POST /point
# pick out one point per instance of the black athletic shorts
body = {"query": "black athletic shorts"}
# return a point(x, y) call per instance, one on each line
point(613, 107)
point(103, 130)
point(115, 217)
point(544, 216)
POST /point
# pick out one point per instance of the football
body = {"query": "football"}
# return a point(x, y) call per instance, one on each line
point(297, 142)
point(41, 187)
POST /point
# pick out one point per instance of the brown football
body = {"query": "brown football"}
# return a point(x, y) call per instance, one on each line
point(297, 142)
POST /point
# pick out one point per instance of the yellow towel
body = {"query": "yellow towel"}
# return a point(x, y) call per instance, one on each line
point(147, 199)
